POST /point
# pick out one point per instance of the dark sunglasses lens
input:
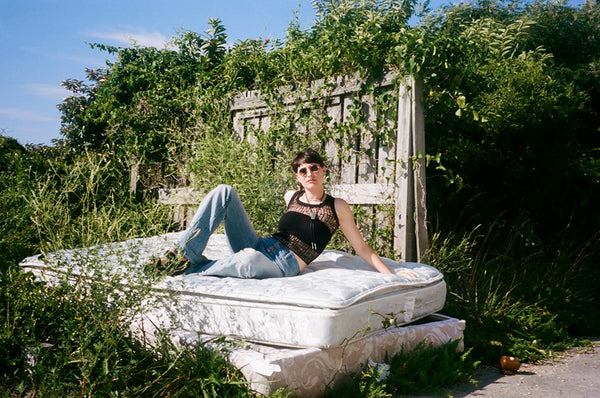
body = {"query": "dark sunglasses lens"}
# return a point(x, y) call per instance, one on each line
point(313, 168)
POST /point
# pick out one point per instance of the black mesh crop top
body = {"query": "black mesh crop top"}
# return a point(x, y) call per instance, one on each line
point(307, 229)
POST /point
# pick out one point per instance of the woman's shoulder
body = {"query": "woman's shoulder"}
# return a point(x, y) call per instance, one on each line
point(341, 206)
point(289, 195)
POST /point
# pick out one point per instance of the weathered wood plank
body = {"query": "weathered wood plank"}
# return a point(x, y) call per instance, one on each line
point(133, 178)
point(334, 113)
point(337, 86)
point(420, 206)
point(180, 196)
point(265, 123)
point(385, 164)
point(351, 193)
point(368, 145)
point(363, 194)
point(348, 151)
point(403, 223)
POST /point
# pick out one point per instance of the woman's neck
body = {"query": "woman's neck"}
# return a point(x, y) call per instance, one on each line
point(314, 196)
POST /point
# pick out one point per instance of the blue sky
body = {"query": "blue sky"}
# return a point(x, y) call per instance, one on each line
point(43, 42)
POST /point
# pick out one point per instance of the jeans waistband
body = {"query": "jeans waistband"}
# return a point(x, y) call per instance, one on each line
point(280, 255)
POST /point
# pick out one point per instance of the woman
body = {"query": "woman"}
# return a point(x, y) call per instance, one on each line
point(304, 231)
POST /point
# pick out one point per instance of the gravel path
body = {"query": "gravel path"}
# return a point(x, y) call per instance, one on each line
point(574, 373)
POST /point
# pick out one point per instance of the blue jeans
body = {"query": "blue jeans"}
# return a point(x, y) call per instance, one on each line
point(253, 257)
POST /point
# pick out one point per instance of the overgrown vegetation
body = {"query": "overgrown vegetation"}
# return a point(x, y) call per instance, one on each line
point(513, 149)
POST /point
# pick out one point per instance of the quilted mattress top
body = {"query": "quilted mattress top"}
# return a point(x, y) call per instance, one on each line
point(334, 280)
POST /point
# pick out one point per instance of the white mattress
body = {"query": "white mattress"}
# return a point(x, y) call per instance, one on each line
point(338, 299)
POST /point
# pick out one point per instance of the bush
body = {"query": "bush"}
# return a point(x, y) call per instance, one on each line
point(514, 301)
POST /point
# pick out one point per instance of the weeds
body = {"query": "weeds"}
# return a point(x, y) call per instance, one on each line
point(85, 206)
point(84, 348)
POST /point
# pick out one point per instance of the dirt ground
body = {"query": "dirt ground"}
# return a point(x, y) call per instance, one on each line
point(574, 373)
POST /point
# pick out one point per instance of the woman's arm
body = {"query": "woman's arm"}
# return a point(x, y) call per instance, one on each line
point(351, 232)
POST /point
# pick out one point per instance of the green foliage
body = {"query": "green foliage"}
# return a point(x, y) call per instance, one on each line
point(81, 124)
point(80, 345)
point(21, 168)
point(87, 203)
point(507, 112)
point(145, 104)
point(508, 121)
point(426, 368)
point(51, 199)
point(570, 34)
point(516, 121)
point(347, 36)
point(15, 236)
point(218, 162)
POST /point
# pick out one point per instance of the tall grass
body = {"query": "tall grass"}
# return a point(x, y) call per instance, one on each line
point(66, 341)
point(87, 204)
point(423, 370)
point(517, 298)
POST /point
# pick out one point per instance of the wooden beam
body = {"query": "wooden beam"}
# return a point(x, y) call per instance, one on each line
point(363, 194)
point(403, 224)
point(340, 85)
point(420, 205)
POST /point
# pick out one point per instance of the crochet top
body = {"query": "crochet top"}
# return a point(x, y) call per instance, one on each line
point(306, 229)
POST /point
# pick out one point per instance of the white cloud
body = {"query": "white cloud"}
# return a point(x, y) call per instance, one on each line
point(139, 38)
point(24, 114)
point(48, 90)
point(91, 61)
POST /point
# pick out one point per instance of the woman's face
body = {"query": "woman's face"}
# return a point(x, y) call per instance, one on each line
point(311, 175)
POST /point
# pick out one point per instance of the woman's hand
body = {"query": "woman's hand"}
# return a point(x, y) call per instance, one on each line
point(407, 273)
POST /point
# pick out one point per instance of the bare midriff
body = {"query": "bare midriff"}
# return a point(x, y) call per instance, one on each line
point(301, 263)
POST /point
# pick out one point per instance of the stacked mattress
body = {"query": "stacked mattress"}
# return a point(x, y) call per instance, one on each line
point(305, 333)
point(337, 299)
point(309, 372)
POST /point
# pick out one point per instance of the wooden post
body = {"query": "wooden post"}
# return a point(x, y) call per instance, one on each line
point(133, 179)
point(403, 227)
point(420, 202)
point(410, 226)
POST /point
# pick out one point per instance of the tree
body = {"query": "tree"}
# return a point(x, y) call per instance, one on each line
point(145, 102)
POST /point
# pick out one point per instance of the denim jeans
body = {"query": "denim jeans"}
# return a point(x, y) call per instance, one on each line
point(253, 257)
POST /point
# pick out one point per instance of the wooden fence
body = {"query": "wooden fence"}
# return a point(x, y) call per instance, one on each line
point(371, 163)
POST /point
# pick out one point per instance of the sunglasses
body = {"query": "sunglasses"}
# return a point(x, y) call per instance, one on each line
point(313, 168)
